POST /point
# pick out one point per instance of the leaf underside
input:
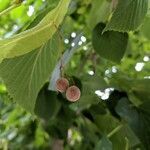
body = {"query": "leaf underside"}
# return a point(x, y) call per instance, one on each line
point(25, 75)
point(128, 15)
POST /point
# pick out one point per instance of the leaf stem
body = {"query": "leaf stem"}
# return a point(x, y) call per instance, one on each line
point(127, 143)
point(6, 11)
point(114, 131)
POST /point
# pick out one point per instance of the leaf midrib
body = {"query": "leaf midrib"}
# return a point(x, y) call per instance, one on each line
point(33, 69)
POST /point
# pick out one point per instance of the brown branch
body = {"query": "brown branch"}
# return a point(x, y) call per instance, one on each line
point(57, 144)
point(114, 4)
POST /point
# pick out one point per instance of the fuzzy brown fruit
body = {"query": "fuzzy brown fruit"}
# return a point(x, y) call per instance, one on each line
point(73, 93)
point(62, 85)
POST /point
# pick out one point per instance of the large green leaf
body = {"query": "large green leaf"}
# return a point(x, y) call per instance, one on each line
point(111, 44)
point(128, 15)
point(33, 38)
point(25, 75)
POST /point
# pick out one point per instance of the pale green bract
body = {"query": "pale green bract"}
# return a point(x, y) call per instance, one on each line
point(33, 38)
point(25, 75)
point(99, 13)
point(128, 15)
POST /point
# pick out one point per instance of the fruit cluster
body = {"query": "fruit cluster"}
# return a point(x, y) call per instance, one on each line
point(72, 93)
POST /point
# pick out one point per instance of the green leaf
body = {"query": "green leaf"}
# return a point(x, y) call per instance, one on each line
point(137, 89)
point(107, 124)
point(33, 38)
point(25, 75)
point(88, 131)
point(99, 13)
point(128, 15)
point(138, 118)
point(125, 109)
point(140, 89)
point(47, 104)
point(104, 144)
point(111, 44)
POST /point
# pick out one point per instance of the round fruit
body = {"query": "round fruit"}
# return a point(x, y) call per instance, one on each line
point(62, 84)
point(73, 93)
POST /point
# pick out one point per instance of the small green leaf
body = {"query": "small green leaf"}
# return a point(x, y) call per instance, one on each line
point(25, 75)
point(33, 38)
point(104, 144)
point(125, 109)
point(47, 104)
point(128, 15)
point(111, 44)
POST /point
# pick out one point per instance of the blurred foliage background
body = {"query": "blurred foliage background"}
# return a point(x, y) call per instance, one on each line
point(114, 110)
